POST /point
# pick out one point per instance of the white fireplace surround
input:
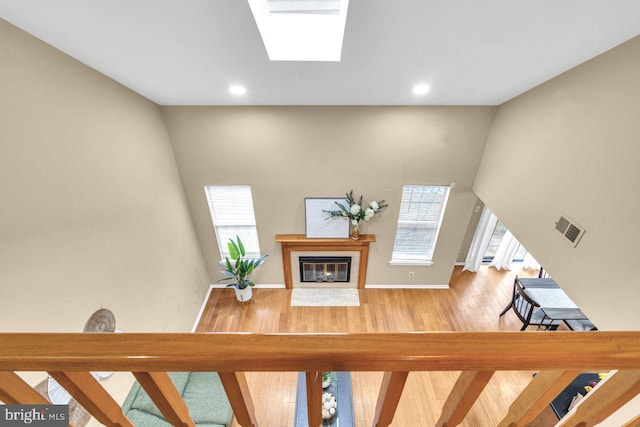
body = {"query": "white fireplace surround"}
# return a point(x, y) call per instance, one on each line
point(296, 245)
point(295, 269)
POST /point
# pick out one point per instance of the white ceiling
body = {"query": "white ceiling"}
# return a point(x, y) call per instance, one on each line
point(471, 52)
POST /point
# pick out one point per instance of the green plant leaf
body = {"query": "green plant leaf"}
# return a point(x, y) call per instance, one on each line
point(233, 249)
point(238, 268)
point(241, 246)
point(229, 275)
point(259, 261)
point(326, 376)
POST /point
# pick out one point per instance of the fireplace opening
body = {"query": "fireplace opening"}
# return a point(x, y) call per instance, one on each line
point(325, 269)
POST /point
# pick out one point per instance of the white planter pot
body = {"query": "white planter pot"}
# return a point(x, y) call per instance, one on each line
point(243, 295)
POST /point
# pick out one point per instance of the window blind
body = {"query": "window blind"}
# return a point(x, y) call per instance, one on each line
point(232, 214)
point(421, 212)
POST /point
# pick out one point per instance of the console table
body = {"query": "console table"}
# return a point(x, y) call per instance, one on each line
point(560, 404)
point(340, 388)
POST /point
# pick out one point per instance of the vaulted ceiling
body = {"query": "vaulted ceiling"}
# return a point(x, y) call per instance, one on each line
point(469, 52)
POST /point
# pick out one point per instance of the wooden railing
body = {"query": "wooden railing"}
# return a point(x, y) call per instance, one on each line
point(558, 357)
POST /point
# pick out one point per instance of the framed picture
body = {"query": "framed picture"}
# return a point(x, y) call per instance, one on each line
point(318, 222)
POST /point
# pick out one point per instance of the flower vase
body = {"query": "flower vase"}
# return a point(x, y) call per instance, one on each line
point(355, 232)
point(243, 295)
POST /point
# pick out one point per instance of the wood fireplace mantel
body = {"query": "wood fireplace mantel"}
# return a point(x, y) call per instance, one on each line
point(299, 242)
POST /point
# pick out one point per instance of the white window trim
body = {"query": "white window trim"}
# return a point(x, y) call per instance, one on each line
point(412, 262)
point(222, 245)
point(223, 262)
point(429, 262)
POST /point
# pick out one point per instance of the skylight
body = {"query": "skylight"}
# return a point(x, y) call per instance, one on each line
point(301, 30)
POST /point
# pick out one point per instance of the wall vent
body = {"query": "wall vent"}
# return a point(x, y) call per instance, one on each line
point(569, 229)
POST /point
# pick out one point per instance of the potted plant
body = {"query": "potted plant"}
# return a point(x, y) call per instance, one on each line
point(239, 269)
point(326, 379)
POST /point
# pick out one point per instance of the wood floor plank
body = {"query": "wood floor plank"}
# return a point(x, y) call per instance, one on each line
point(473, 303)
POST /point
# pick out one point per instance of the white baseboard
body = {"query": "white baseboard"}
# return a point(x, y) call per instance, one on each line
point(412, 286)
point(265, 285)
point(204, 302)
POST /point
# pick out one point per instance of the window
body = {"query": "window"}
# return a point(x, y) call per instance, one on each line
point(231, 208)
point(421, 212)
point(496, 239)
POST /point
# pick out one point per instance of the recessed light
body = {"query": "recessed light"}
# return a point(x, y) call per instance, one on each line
point(237, 90)
point(421, 89)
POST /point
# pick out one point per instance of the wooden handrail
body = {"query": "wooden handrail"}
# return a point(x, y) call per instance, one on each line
point(464, 394)
point(237, 389)
point(544, 388)
point(613, 392)
point(558, 357)
point(314, 394)
point(233, 352)
point(90, 394)
point(18, 391)
point(164, 394)
point(389, 396)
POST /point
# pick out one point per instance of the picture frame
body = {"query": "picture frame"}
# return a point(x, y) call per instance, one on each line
point(318, 224)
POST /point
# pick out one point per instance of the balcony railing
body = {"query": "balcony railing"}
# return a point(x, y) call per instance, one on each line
point(558, 357)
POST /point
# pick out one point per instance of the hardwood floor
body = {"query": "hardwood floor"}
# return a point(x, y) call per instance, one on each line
point(472, 303)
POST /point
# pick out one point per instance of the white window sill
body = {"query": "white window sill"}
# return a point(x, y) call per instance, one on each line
point(411, 262)
point(224, 263)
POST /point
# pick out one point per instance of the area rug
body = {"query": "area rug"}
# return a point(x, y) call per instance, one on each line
point(325, 297)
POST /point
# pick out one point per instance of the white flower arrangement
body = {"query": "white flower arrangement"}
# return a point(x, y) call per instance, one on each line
point(329, 406)
point(354, 211)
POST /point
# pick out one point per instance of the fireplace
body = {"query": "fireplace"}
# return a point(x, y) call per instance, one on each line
point(330, 252)
point(325, 268)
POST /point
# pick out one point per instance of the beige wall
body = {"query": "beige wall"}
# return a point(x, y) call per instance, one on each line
point(92, 212)
point(289, 153)
point(572, 146)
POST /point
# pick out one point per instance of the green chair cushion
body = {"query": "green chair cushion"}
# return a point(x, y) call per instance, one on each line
point(202, 392)
point(145, 419)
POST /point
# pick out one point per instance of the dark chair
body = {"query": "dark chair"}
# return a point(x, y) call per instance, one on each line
point(528, 282)
point(513, 298)
point(528, 311)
